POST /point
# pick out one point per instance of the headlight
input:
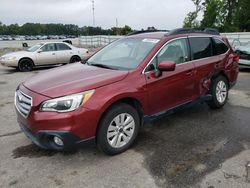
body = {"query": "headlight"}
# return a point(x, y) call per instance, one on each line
point(8, 58)
point(67, 103)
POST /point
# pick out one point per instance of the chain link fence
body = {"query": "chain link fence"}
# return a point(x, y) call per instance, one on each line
point(238, 39)
point(98, 40)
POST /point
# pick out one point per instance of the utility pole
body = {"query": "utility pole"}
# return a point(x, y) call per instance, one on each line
point(116, 21)
point(93, 9)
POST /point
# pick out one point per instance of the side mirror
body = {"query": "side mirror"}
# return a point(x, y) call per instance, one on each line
point(167, 66)
point(39, 51)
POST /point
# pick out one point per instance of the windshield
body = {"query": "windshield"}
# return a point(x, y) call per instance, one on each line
point(124, 54)
point(34, 48)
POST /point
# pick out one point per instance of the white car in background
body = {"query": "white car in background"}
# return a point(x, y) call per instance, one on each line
point(244, 52)
point(46, 53)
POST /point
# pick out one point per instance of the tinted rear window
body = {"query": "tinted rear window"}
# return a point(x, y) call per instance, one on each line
point(201, 47)
point(219, 47)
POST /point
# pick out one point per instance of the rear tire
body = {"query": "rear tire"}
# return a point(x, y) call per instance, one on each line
point(75, 59)
point(25, 65)
point(219, 92)
point(118, 129)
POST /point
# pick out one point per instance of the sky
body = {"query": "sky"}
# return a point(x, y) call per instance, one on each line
point(138, 14)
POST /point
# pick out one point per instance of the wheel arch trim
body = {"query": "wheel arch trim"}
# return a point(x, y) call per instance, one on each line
point(133, 101)
point(26, 58)
point(220, 73)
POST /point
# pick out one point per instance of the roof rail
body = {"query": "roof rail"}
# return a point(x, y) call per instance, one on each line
point(210, 31)
point(145, 31)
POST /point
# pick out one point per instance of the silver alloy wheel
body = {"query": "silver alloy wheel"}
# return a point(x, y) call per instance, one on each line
point(221, 92)
point(121, 130)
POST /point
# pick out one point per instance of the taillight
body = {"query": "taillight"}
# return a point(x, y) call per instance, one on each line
point(236, 58)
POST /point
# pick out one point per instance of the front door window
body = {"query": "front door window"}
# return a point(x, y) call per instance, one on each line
point(176, 51)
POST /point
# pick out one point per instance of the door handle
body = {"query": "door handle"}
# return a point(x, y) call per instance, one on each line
point(189, 73)
point(217, 65)
point(53, 53)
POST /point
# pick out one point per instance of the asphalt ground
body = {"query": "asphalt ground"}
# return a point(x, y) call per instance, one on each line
point(195, 147)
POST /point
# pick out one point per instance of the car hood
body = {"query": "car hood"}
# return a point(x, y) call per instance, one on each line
point(244, 49)
point(18, 54)
point(72, 79)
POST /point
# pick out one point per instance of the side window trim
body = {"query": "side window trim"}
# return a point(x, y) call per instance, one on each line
point(41, 47)
point(55, 46)
point(163, 46)
point(189, 51)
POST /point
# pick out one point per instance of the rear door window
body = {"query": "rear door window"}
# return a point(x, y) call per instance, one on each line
point(61, 46)
point(219, 47)
point(201, 47)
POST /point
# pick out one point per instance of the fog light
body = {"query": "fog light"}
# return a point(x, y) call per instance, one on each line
point(58, 141)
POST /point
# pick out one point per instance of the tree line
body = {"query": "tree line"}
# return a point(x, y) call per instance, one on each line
point(225, 15)
point(60, 29)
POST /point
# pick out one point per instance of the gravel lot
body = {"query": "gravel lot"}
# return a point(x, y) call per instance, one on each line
point(196, 147)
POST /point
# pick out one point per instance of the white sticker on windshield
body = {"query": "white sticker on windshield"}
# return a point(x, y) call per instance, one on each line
point(151, 40)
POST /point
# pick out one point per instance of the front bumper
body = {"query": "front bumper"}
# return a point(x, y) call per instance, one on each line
point(44, 139)
point(244, 63)
point(12, 63)
point(74, 128)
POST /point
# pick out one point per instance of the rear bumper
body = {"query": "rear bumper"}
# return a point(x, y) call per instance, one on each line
point(44, 139)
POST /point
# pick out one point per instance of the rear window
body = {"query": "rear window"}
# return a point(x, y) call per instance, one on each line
point(201, 47)
point(219, 47)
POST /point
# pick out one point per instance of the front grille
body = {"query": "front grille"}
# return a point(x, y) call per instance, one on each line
point(23, 103)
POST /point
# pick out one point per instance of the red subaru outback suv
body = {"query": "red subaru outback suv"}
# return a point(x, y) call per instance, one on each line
point(105, 99)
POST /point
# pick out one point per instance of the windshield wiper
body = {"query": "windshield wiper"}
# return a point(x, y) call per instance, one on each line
point(101, 65)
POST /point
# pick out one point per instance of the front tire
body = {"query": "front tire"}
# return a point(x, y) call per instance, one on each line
point(75, 59)
point(25, 65)
point(118, 129)
point(219, 92)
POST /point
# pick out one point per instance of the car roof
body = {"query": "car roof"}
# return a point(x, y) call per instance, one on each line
point(54, 42)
